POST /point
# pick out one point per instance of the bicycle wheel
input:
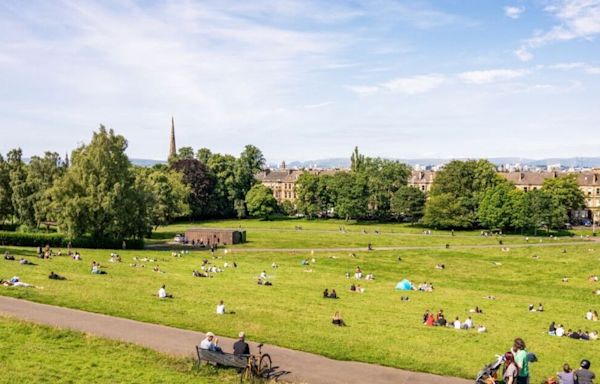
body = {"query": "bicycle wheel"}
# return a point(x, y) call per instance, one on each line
point(247, 376)
point(264, 366)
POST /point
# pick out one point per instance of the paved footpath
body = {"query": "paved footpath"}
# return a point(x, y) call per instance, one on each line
point(302, 367)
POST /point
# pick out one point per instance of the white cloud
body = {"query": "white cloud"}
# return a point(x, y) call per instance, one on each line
point(587, 68)
point(491, 75)
point(415, 84)
point(514, 12)
point(363, 90)
point(578, 19)
point(523, 54)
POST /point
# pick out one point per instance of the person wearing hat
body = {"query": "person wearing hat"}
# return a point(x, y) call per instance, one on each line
point(210, 343)
point(240, 347)
point(583, 375)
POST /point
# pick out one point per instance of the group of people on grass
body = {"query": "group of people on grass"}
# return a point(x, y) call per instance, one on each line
point(559, 330)
point(439, 320)
point(330, 295)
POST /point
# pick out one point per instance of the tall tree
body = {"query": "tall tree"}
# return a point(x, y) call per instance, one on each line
point(168, 192)
point(6, 207)
point(408, 203)
point(357, 161)
point(22, 191)
point(250, 162)
point(350, 195)
point(201, 183)
point(565, 192)
point(204, 155)
point(497, 209)
point(461, 183)
point(224, 195)
point(260, 202)
point(384, 178)
point(99, 195)
point(42, 173)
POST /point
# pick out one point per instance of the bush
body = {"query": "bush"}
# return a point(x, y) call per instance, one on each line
point(24, 239)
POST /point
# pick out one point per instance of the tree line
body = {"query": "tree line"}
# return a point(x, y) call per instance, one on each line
point(464, 195)
point(102, 195)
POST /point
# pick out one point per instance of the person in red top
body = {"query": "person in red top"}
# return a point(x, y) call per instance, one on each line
point(430, 320)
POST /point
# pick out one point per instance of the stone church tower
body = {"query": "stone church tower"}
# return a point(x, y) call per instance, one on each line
point(172, 146)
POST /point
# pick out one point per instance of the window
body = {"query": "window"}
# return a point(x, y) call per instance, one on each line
point(597, 191)
point(422, 187)
point(524, 189)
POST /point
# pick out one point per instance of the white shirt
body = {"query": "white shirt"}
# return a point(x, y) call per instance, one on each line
point(560, 331)
point(162, 293)
point(589, 315)
point(469, 323)
point(456, 324)
point(221, 309)
point(205, 344)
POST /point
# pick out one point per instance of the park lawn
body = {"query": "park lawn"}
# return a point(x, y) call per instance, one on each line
point(39, 354)
point(382, 329)
point(326, 234)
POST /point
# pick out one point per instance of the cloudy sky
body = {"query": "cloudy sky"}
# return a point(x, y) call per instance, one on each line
point(305, 79)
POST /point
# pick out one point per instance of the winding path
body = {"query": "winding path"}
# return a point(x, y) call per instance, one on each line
point(302, 367)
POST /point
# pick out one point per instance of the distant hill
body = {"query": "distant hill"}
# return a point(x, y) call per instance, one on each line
point(146, 162)
point(576, 162)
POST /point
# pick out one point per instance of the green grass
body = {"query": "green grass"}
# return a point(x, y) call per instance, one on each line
point(382, 329)
point(38, 354)
point(326, 234)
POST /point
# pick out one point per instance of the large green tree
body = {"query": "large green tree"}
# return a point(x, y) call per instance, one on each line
point(461, 184)
point(23, 199)
point(497, 206)
point(201, 183)
point(6, 206)
point(250, 162)
point(408, 203)
point(350, 194)
point(565, 193)
point(384, 178)
point(260, 202)
point(169, 194)
point(99, 194)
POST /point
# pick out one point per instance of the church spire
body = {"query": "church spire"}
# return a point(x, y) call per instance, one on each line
point(172, 146)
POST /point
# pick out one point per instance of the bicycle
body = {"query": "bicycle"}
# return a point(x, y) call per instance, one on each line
point(257, 367)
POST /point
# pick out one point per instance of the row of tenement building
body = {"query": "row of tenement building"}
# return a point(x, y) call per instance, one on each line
point(282, 182)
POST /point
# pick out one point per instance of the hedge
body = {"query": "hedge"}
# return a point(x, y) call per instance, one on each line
point(56, 240)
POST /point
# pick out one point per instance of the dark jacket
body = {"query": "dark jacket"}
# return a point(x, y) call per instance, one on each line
point(240, 347)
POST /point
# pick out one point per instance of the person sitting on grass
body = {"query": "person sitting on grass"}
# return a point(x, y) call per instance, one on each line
point(333, 294)
point(221, 308)
point(54, 276)
point(326, 293)
point(352, 288)
point(475, 310)
point(76, 256)
point(162, 293)
point(560, 331)
point(8, 256)
point(430, 320)
point(481, 329)
point(457, 324)
point(96, 269)
point(210, 343)
point(552, 329)
point(358, 273)
point(468, 324)
point(337, 319)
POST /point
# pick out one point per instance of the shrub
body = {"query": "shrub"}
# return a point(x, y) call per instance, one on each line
point(25, 239)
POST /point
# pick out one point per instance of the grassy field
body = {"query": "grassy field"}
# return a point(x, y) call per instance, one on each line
point(36, 354)
point(382, 329)
point(327, 234)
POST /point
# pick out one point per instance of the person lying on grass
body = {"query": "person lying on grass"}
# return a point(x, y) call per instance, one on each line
point(162, 293)
point(24, 261)
point(210, 343)
point(15, 281)
point(8, 256)
point(337, 319)
point(264, 282)
point(54, 276)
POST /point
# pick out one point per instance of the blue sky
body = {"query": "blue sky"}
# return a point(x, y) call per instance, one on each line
point(305, 79)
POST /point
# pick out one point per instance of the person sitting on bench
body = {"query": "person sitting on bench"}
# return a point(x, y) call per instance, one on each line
point(210, 343)
point(240, 347)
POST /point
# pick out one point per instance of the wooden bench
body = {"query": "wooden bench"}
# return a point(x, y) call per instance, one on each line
point(221, 358)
